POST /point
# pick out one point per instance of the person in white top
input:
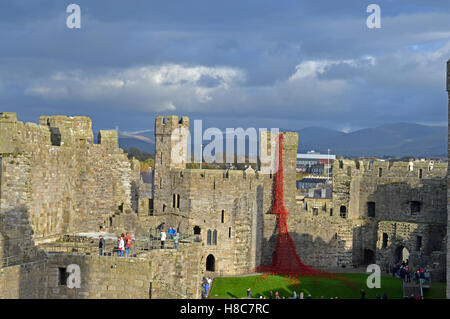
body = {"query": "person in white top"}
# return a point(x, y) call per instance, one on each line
point(120, 246)
point(163, 238)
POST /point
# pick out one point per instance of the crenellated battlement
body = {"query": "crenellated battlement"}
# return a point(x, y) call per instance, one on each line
point(56, 130)
point(416, 168)
point(166, 125)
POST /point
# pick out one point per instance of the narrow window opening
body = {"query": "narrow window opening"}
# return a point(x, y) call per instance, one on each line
point(208, 237)
point(385, 240)
point(150, 206)
point(418, 242)
point(343, 212)
point(62, 276)
point(370, 209)
point(214, 239)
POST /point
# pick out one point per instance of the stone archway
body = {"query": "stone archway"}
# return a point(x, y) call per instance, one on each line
point(210, 263)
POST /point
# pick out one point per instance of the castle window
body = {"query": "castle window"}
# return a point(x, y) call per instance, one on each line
point(173, 200)
point(164, 208)
point(197, 230)
point(343, 212)
point(380, 172)
point(161, 157)
point(229, 232)
point(341, 165)
point(208, 237)
point(385, 240)
point(214, 238)
point(178, 200)
point(223, 216)
point(160, 182)
point(420, 173)
point(55, 136)
point(331, 211)
point(370, 209)
point(62, 276)
point(315, 211)
point(418, 242)
point(414, 207)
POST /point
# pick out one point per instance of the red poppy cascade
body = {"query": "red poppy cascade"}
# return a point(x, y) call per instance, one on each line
point(285, 258)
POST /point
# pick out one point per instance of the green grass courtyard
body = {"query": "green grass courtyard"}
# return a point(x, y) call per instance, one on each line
point(236, 287)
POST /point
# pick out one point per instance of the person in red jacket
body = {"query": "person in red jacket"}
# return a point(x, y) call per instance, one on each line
point(128, 244)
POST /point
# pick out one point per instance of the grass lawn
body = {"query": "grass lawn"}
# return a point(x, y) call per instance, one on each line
point(236, 287)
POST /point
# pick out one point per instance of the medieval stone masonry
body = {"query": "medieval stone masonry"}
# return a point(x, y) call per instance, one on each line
point(59, 190)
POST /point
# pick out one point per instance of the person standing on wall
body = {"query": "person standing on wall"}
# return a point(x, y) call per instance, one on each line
point(163, 238)
point(101, 245)
point(128, 244)
point(120, 246)
point(175, 240)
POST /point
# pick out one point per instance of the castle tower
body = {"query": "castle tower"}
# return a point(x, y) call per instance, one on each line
point(171, 135)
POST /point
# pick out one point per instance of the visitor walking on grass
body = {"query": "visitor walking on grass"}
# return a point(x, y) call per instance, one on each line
point(101, 245)
point(163, 238)
point(249, 292)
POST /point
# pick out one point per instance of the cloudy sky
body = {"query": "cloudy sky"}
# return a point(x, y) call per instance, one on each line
point(281, 63)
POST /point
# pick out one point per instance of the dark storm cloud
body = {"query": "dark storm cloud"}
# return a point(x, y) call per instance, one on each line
point(293, 63)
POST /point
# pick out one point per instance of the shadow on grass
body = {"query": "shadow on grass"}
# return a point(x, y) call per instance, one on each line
point(231, 295)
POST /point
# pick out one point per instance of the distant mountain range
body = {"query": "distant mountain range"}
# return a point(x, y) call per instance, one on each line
point(400, 139)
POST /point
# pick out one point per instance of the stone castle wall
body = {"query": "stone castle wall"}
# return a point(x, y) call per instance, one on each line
point(54, 180)
point(156, 274)
point(232, 204)
point(57, 174)
point(409, 206)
